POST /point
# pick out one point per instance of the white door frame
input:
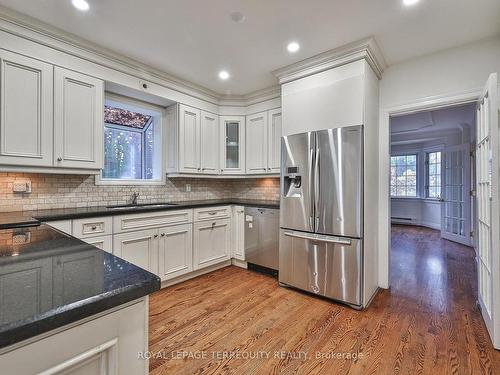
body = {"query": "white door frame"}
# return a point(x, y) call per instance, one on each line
point(424, 104)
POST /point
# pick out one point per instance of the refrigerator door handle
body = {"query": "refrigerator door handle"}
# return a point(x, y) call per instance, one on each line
point(316, 190)
point(311, 182)
point(319, 238)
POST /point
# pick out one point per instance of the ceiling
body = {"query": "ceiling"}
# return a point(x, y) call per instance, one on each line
point(195, 39)
point(424, 126)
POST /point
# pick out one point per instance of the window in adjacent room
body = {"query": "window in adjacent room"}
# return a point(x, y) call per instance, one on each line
point(433, 174)
point(404, 176)
point(132, 143)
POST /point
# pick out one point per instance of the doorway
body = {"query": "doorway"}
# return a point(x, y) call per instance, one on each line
point(431, 171)
point(486, 217)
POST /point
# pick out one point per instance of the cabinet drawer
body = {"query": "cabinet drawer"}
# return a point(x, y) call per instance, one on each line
point(91, 227)
point(211, 213)
point(125, 223)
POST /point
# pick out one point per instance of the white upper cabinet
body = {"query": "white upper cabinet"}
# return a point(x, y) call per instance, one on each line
point(26, 111)
point(274, 141)
point(257, 143)
point(263, 142)
point(78, 120)
point(189, 139)
point(232, 130)
point(209, 143)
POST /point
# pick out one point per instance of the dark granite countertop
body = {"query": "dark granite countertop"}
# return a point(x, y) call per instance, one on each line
point(50, 279)
point(15, 219)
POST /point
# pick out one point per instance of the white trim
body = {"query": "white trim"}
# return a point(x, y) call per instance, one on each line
point(366, 49)
point(423, 104)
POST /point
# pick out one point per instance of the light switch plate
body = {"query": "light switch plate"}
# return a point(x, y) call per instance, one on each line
point(21, 187)
point(188, 188)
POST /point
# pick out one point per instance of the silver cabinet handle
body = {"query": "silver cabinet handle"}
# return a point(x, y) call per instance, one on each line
point(319, 238)
point(212, 213)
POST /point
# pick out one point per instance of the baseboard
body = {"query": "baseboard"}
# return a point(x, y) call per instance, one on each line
point(239, 263)
point(194, 274)
point(417, 223)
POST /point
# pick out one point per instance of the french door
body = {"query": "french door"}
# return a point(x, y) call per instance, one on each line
point(455, 208)
point(487, 181)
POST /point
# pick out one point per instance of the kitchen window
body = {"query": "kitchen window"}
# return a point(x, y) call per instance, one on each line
point(132, 143)
point(433, 162)
point(404, 176)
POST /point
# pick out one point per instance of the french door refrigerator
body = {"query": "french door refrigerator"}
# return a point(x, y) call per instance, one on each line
point(321, 213)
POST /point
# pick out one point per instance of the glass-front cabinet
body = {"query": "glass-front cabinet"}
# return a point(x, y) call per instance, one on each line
point(233, 144)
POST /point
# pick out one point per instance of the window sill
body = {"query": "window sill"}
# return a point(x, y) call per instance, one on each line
point(430, 200)
point(99, 181)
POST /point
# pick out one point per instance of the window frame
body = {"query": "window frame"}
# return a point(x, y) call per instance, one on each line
point(158, 119)
point(427, 174)
point(417, 175)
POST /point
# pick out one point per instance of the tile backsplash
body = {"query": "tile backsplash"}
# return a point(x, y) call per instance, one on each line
point(65, 191)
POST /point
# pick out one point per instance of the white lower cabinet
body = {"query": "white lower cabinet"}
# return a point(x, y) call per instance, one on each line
point(107, 344)
point(102, 242)
point(238, 232)
point(63, 225)
point(139, 248)
point(212, 242)
point(175, 251)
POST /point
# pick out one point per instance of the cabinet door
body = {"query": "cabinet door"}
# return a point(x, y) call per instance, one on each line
point(63, 225)
point(77, 275)
point(212, 242)
point(274, 141)
point(139, 248)
point(209, 141)
point(176, 251)
point(78, 120)
point(189, 139)
point(102, 242)
point(256, 143)
point(232, 132)
point(25, 289)
point(26, 111)
point(239, 233)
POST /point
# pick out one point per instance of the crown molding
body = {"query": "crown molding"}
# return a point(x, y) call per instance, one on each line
point(251, 98)
point(366, 49)
point(34, 30)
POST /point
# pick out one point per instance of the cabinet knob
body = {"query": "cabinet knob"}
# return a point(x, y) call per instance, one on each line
point(59, 158)
point(213, 224)
point(155, 236)
point(163, 234)
point(144, 85)
point(93, 227)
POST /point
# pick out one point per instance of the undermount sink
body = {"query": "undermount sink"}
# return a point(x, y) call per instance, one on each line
point(139, 206)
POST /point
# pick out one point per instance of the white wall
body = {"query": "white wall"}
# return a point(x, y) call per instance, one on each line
point(460, 71)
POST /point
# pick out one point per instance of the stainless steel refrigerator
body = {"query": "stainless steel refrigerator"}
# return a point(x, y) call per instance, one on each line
point(321, 213)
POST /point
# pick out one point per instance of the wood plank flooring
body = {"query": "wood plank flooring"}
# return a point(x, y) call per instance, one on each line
point(229, 321)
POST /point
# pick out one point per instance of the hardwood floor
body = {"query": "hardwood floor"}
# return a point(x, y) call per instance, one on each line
point(427, 323)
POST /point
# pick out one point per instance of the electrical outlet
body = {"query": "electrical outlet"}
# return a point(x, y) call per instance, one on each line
point(188, 188)
point(21, 187)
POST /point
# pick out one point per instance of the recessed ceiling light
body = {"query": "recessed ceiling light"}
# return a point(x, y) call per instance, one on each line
point(410, 2)
point(293, 47)
point(223, 75)
point(80, 4)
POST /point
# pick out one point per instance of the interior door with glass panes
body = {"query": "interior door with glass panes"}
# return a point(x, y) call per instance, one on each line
point(488, 216)
point(455, 206)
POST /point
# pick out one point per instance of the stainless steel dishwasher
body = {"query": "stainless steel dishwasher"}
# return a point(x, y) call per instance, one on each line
point(262, 226)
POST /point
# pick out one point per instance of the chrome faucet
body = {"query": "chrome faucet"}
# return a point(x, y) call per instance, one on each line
point(135, 195)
